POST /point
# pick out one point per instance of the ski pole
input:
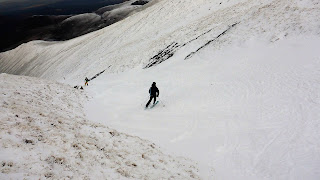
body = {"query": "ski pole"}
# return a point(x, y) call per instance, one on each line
point(161, 101)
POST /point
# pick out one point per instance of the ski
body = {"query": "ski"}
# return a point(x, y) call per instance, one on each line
point(152, 106)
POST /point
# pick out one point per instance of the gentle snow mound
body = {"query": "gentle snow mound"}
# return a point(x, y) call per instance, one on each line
point(44, 134)
point(83, 18)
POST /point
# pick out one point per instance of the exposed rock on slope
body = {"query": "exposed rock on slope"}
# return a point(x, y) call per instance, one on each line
point(140, 2)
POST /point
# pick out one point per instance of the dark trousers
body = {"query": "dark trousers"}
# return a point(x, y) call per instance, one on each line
point(154, 97)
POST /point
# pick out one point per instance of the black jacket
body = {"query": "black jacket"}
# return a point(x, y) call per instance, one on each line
point(154, 90)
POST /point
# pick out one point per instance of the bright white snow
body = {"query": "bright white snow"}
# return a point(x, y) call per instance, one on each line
point(132, 42)
point(245, 107)
point(44, 134)
point(249, 112)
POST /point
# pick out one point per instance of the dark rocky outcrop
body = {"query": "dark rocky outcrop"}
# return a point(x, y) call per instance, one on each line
point(140, 2)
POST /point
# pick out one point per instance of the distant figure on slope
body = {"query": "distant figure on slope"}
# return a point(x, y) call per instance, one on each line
point(154, 93)
point(86, 81)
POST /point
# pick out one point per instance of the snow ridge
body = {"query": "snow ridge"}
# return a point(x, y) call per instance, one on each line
point(132, 42)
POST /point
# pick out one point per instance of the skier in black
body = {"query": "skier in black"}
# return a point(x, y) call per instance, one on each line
point(86, 80)
point(154, 93)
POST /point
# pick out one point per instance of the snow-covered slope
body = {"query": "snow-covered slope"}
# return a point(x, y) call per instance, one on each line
point(249, 112)
point(133, 41)
point(239, 85)
point(44, 134)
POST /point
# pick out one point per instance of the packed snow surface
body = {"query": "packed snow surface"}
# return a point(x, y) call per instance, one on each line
point(239, 82)
point(249, 112)
point(44, 134)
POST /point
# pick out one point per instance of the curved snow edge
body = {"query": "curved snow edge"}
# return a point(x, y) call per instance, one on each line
point(44, 134)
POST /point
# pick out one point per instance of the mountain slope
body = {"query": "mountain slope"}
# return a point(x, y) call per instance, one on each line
point(239, 82)
point(134, 41)
point(242, 112)
point(44, 134)
point(48, 25)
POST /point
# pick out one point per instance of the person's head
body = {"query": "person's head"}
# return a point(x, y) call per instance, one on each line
point(154, 84)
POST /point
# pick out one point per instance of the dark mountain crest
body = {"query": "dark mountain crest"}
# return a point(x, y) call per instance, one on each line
point(60, 27)
point(140, 2)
